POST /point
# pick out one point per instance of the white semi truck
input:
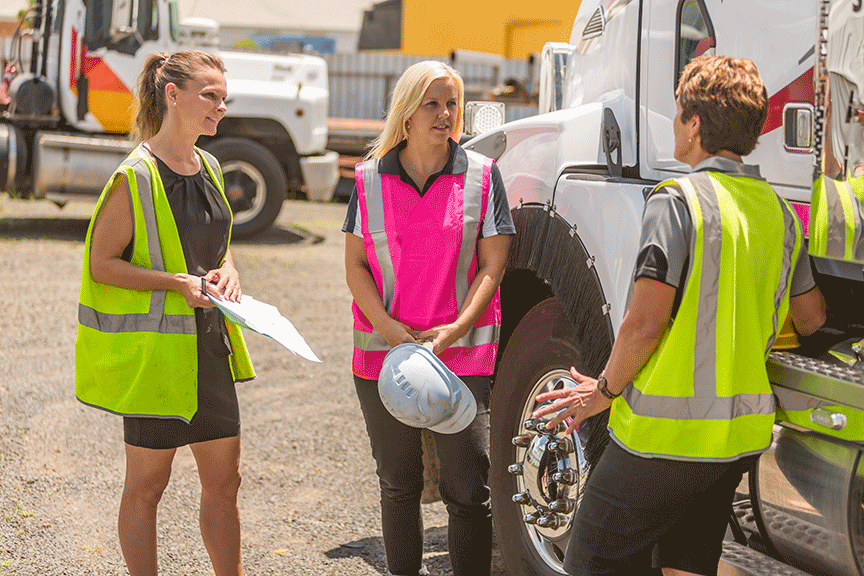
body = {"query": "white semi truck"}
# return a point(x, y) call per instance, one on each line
point(576, 177)
point(72, 104)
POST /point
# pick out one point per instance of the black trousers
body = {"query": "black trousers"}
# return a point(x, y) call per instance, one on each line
point(642, 512)
point(463, 482)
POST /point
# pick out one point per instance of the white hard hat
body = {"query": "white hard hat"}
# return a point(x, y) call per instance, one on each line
point(420, 391)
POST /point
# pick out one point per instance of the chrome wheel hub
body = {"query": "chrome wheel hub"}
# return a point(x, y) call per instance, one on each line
point(551, 471)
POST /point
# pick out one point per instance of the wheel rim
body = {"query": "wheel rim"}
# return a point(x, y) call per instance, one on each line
point(549, 543)
point(245, 189)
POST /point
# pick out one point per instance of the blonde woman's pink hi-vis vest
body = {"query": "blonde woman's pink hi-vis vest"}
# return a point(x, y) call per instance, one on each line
point(422, 254)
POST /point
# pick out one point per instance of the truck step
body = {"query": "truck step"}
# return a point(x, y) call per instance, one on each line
point(738, 560)
point(833, 382)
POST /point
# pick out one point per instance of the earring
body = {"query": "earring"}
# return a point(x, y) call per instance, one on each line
point(407, 125)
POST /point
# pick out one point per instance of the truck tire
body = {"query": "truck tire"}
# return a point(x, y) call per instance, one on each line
point(541, 350)
point(255, 183)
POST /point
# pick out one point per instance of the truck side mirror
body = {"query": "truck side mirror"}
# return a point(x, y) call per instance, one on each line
point(553, 68)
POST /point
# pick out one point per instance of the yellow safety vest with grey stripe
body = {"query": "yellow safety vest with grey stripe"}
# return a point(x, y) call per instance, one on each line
point(704, 394)
point(136, 351)
point(837, 219)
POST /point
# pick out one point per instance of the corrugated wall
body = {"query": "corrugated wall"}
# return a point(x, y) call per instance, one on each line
point(361, 84)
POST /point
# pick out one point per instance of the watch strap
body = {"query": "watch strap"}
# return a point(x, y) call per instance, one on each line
point(602, 386)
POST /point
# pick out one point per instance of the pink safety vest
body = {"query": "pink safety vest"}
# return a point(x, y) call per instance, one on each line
point(422, 253)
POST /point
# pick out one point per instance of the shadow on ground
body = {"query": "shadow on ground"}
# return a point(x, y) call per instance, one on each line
point(54, 228)
point(75, 229)
point(435, 557)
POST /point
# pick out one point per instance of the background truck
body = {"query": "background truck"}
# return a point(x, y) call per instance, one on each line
point(72, 105)
point(576, 177)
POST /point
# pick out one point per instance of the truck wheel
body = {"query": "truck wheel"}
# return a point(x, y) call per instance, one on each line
point(533, 540)
point(255, 183)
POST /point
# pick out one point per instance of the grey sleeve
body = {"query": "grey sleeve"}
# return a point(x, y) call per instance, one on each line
point(352, 222)
point(665, 243)
point(497, 219)
point(802, 275)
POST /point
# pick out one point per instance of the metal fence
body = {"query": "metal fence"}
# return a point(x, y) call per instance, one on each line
point(361, 84)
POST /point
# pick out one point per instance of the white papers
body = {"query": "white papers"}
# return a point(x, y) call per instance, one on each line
point(265, 319)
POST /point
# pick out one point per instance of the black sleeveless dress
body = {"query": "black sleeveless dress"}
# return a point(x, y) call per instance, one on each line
point(203, 222)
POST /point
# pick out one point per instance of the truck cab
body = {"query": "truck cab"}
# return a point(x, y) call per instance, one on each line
point(577, 176)
point(74, 103)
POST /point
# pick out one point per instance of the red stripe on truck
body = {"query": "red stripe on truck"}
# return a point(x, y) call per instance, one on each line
point(799, 90)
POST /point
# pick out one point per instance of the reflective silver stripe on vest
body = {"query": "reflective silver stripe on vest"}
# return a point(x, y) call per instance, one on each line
point(378, 230)
point(705, 404)
point(709, 284)
point(835, 242)
point(472, 205)
point(150, 322)
point(374, 342)
point(155, 320)
point(695, 408)
point(789, 236)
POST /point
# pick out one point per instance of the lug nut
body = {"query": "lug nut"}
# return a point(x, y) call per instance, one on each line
point(566, 477)
point(515, 469)
point(531, 517)
point(561, 446)
point(523, 440)
point(530, 425)
point(563, 505)
point(522, 498)
point(544, 428)
point(552, 521)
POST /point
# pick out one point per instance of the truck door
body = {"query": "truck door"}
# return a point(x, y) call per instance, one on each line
point(673, 33)
point(103, 48)
point(777, 36)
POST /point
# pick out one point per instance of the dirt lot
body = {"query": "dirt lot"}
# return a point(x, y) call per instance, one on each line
point(309, 499)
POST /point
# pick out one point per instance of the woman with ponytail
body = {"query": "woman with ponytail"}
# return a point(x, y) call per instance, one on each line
point(151, 346)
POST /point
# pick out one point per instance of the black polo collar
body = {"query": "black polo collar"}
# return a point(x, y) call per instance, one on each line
point(456, 164)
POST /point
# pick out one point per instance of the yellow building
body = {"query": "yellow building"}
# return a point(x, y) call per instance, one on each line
point(512, 28)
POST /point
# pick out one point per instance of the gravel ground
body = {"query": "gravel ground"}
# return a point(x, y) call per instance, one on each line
point(309, 499)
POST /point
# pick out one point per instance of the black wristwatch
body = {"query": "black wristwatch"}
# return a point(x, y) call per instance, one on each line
point(602, 387)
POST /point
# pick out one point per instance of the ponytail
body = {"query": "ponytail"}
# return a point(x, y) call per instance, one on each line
point(161, 69)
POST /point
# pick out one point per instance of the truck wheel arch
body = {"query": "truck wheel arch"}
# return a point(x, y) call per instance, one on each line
point(553, 316)
point(547, 258)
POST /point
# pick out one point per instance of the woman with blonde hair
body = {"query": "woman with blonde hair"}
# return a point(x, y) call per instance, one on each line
point(150, 345)
point(427, 233)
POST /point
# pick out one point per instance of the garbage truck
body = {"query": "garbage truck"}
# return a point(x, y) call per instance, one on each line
point(74, 65)
point(577, 176)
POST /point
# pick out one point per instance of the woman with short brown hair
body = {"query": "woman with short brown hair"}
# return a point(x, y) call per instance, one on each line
point(720, 264)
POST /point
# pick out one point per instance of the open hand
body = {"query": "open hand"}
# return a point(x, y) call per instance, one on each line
point(578, 403)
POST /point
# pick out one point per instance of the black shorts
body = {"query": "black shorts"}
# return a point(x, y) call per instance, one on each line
point(642, 514)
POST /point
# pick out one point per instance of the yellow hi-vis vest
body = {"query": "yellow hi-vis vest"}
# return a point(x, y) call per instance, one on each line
point(837, 219)
point(136, 351)
point(704, 394)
